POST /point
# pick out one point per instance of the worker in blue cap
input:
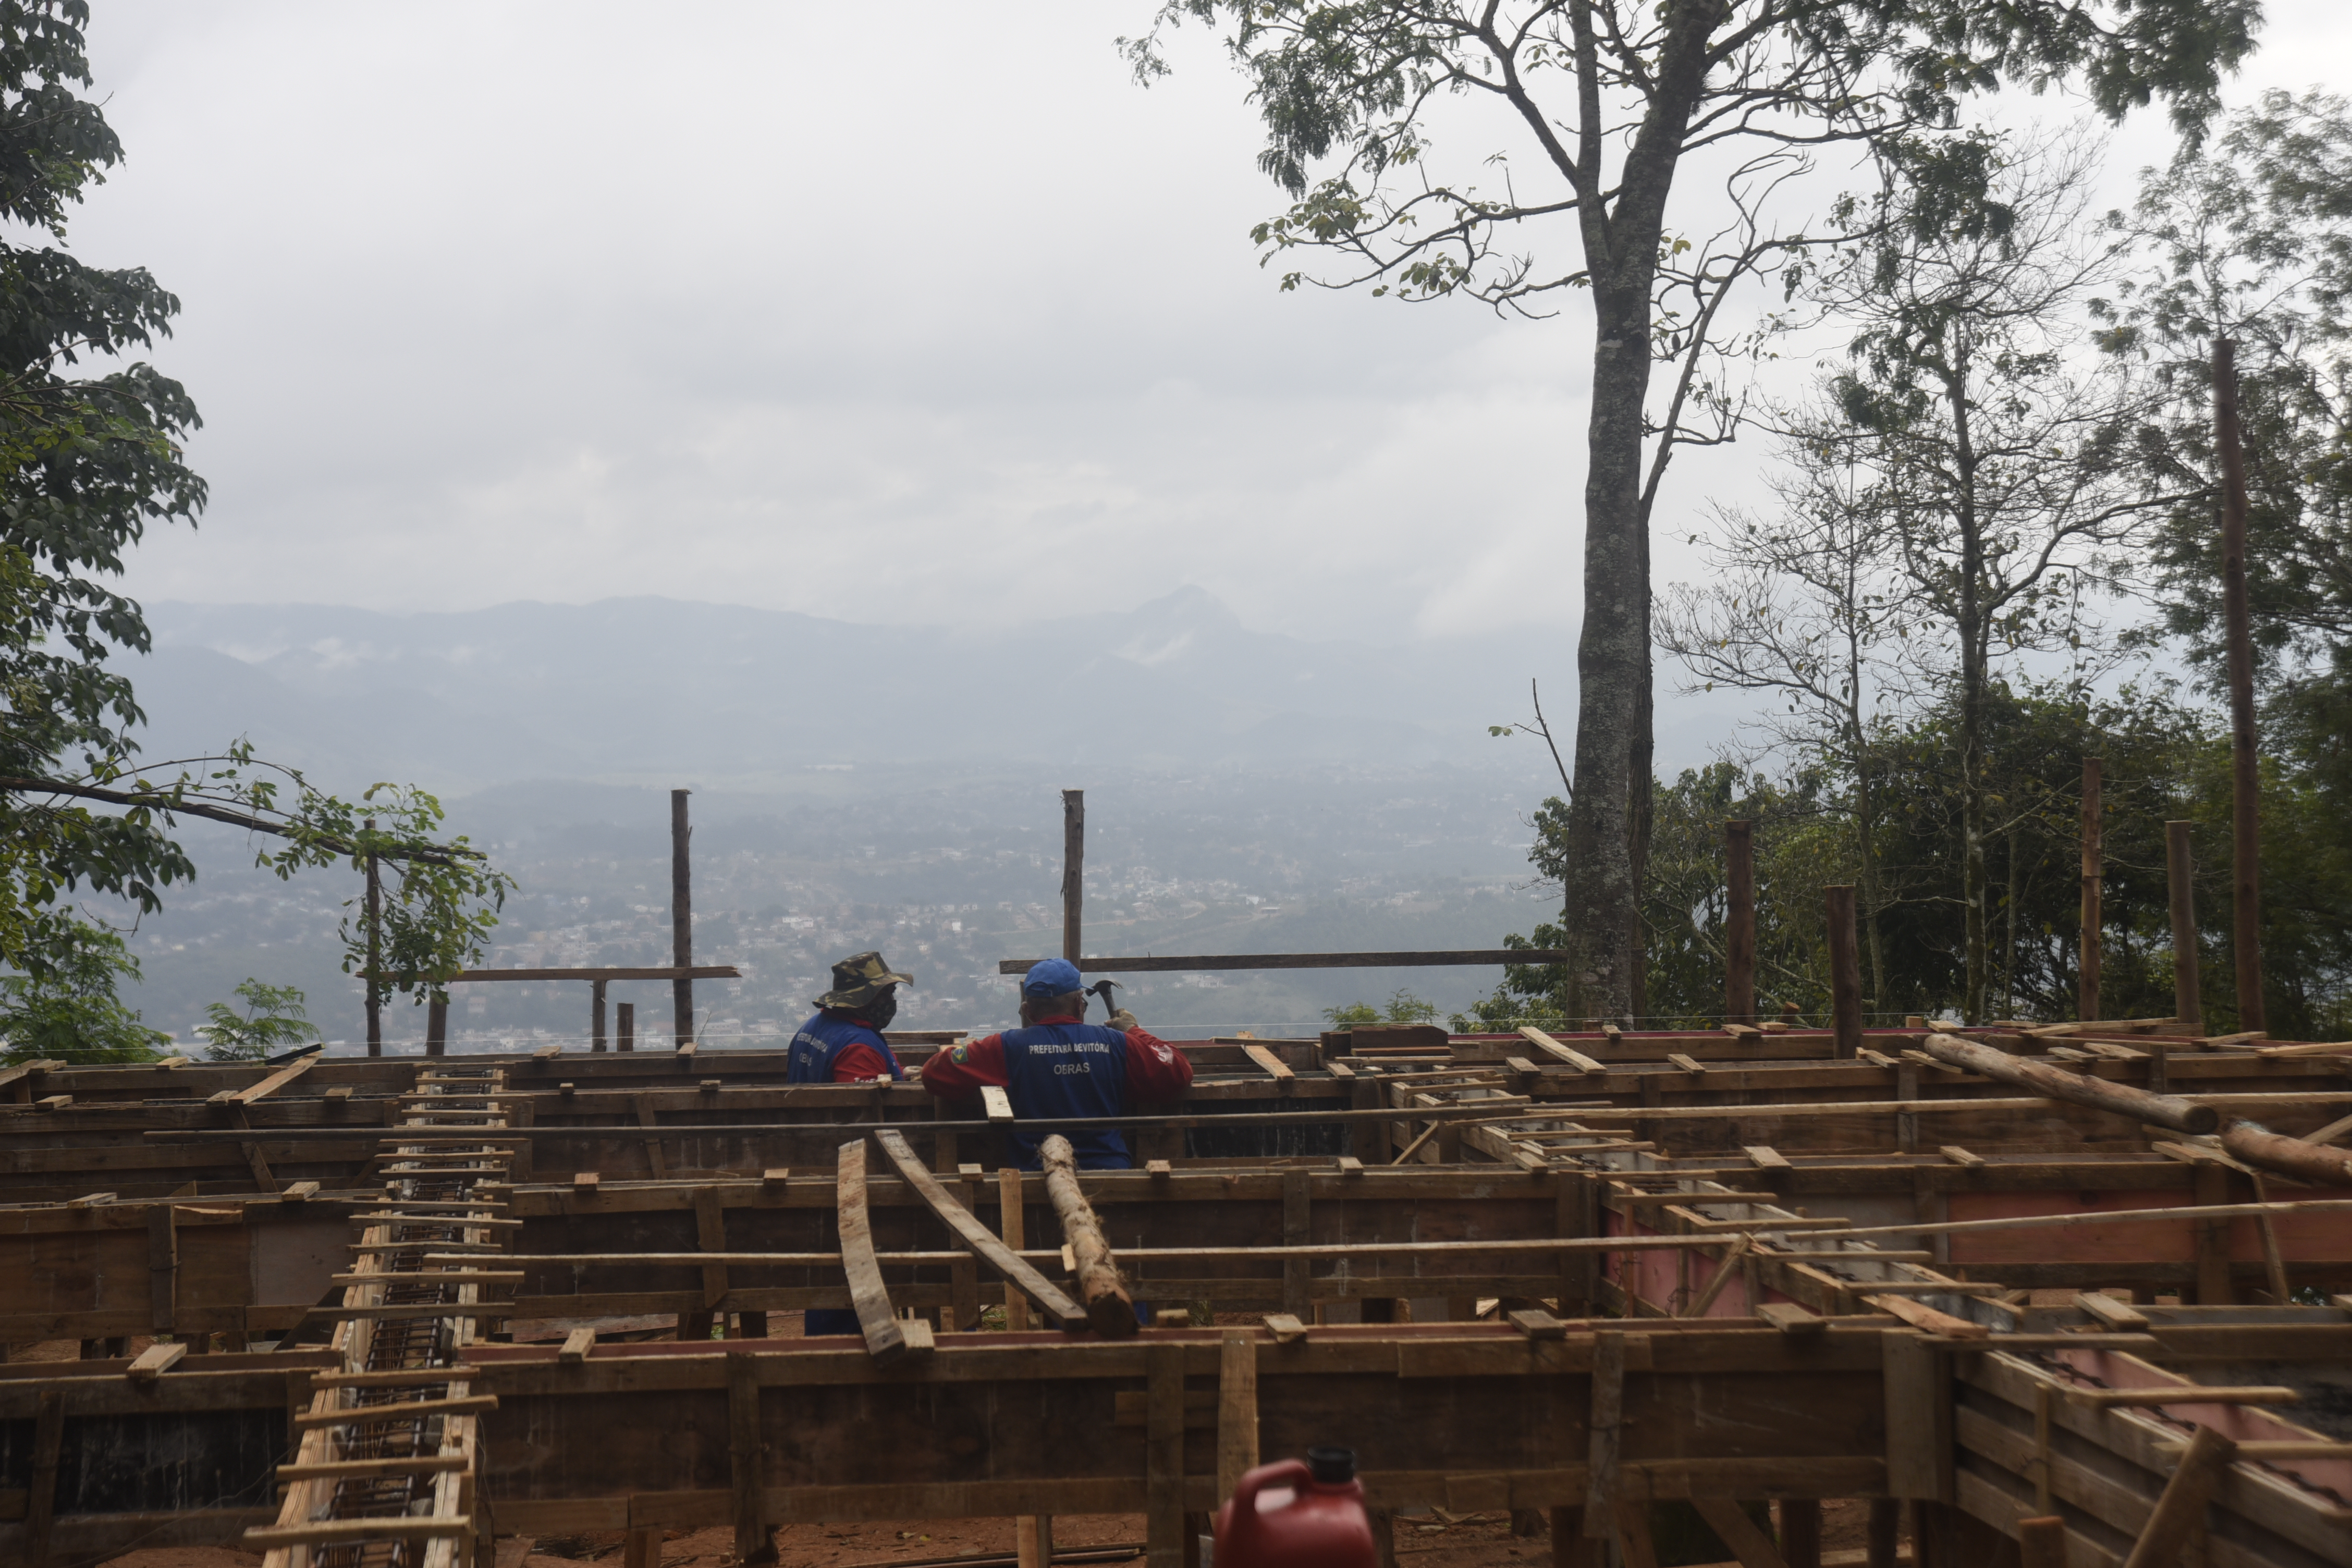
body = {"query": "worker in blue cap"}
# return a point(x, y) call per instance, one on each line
point(1058, 1064)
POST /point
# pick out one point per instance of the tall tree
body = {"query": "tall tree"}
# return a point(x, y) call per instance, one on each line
point(1604, 104)
point(87, 462)
point(2001, 470)
point(1804, 603)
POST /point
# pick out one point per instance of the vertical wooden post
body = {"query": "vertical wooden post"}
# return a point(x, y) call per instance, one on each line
point(2210, 1187)
point(1879, 1543)
point(41, 1505)
point(2041, 1543)
point(2086, 979)
point(1845, 973)
point(627, 1020)
point(1163, 1462)
point(1074, 868)
point(1010, 1225)
point(744, 1456)
point(1568, 1547)
point(2180, 868)
point(437, 1027)
point(596, 1014)
point(1739, 922)
point(2245, 778)
point(1800, 1531)
point(375, 953)
point(681, 914)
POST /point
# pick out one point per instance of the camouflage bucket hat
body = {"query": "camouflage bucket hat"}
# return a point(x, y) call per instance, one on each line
point(860, 979)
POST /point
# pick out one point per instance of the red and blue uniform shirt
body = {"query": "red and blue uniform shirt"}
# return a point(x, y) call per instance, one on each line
point(833, 1047)
point(1063, 1068)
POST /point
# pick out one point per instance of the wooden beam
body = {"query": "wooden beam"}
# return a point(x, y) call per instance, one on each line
point(1236, 1409)
point(1479, 957)
point(2121, 1099)
point(1058, 1309)
point(1164, 1457)
point(886, 1340)
point(657, 972)
point(1751, 1546)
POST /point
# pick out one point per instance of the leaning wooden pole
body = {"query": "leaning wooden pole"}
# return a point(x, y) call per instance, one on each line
point(2180, 870)
point(1102, 1289)
point(1074, 868)
point(2156, 1109)
point(2086, 981)
point(1739, 922)
point(681, 915)
point(2245, 779)
point(1845, 974)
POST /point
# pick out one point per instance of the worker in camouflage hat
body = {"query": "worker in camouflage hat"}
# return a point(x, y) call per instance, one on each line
point(843, 1043)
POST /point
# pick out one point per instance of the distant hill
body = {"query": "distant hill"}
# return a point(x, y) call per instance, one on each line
point(657, 690)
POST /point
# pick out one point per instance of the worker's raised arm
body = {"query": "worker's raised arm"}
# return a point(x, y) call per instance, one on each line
point(1155, 1069)
point(961, 1072)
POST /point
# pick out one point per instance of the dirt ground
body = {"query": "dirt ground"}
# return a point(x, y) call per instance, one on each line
point(1471, 1541)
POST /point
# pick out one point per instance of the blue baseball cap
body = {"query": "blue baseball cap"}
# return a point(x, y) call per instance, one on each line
point(1054, 977)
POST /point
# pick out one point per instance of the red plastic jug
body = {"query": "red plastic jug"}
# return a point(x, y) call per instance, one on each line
point(1323, 1525)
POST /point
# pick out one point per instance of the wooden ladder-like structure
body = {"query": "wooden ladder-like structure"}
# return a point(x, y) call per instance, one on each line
point(387, 1470)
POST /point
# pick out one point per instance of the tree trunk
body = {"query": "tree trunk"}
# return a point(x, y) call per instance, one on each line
point(1865, 833)
point(1973, 654)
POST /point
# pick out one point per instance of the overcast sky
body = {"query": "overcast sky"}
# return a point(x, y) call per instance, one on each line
point(895, 313)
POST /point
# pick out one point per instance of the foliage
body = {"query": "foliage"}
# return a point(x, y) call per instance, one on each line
point(274, 1018)
point(1402, 1007)
point(86, 463)
point(67, 1009)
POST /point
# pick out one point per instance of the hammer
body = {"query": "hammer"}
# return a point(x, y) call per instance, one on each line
point(1103, 988)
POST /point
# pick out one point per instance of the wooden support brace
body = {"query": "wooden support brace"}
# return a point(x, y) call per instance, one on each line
point(1751, 1546)
point(886, 1337)
point(162, 1268)
point(1063, 1313)
point(2179, 1512)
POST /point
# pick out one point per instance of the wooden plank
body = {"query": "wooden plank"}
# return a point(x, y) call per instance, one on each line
point(885, 1340)
point(277, 1080)
point(1924, 1317)
point(349, 1531)
point(1962, 1157)
point(412, 1410)
point(1789, 1318)
point(1236, 1410)
point(2113, 1313)
point(359, 1469)
point(576, 1346)
point(1058, 1309)
point(1764, 1157)
point(155, 1361)
point(996, 1102)
point(1011, 1220)
point(647, 1120)
point(1559, 1052)
point(1274, 1066)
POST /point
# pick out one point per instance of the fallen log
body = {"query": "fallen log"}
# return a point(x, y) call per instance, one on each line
point(1102, 1289)
point(2158, 1109)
